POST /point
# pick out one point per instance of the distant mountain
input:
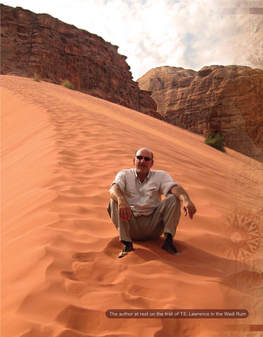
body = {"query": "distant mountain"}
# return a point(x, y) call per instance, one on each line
point(38, 43)
point(225, 99)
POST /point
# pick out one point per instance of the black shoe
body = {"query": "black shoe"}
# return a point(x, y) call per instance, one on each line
point(128, 247)
point(169, 246)
point(170, 249)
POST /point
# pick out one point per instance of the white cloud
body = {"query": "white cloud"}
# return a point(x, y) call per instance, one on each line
point(183, 33)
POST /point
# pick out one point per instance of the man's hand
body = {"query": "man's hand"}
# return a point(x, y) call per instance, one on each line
point(124, 209)
point(189, 208)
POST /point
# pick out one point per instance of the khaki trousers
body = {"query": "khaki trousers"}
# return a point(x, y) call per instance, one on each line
point(164, 219)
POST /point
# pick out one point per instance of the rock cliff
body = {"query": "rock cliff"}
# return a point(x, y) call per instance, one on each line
point(38, 43)
point(225, 99)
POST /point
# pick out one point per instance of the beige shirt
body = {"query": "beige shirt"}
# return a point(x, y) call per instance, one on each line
point(144, 197)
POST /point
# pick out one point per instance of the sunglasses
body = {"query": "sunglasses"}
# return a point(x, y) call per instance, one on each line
point(145, 158)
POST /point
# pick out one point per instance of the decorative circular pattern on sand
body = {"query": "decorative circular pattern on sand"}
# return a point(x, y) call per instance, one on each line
point(242, 237)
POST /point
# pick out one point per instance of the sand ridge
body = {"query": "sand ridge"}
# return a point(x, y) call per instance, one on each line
point(60, 151)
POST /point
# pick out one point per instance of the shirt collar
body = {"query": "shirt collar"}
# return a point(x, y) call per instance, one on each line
point(147, 177)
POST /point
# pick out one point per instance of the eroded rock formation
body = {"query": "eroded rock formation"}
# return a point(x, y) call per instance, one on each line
point(38, 43)
point(225, 99)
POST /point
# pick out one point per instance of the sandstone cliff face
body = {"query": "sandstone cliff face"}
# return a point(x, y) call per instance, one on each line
point(38, 43)
point(215, 99)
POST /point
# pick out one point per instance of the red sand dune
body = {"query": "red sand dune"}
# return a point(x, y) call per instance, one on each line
point(60, 271)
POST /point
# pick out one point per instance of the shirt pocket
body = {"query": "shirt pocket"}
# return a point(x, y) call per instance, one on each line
point(131, 191)
point(152, 191)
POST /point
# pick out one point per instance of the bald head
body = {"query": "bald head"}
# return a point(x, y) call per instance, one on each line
point(145, 149)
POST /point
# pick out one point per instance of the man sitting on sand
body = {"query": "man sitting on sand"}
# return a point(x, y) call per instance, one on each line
point(136, 208)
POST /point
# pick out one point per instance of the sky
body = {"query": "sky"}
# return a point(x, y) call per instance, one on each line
point(152, 33)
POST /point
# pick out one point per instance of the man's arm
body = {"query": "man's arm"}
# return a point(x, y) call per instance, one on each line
point(188, 206)
point(123, 205)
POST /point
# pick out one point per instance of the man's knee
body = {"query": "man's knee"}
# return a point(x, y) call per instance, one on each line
point(112, 207)
point(171, 199)
point(113, 203)
point(171, 204)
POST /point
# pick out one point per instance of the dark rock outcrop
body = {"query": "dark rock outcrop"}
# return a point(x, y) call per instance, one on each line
point(225, 99)
point(38, 43)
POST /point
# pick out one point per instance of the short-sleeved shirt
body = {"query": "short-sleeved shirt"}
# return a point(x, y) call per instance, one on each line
point(144, 197)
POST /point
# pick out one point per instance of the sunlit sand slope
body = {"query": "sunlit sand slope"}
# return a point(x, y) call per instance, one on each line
point(60, 272)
